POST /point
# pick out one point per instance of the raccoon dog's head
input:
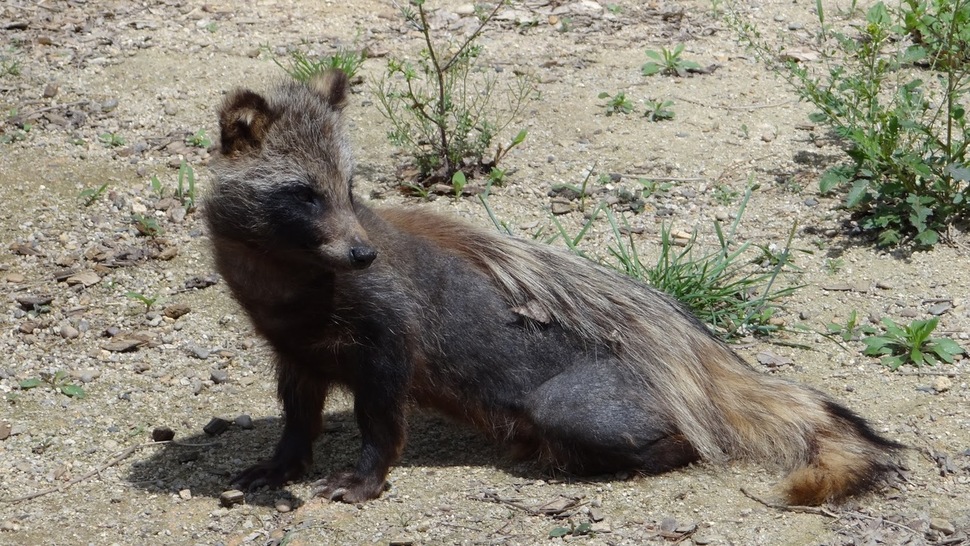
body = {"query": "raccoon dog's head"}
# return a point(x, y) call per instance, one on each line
point(283, 175)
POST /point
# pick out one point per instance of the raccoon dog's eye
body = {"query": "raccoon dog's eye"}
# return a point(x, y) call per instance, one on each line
point(306, 195)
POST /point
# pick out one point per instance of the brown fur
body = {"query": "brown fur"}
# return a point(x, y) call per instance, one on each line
point(571, 363)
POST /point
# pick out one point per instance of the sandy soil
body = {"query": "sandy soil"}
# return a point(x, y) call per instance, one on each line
point(85, 470)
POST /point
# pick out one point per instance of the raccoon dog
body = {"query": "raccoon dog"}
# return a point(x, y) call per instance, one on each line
point(582, 368)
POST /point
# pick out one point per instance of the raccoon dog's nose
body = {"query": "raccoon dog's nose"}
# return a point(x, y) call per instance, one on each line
point(362, 256)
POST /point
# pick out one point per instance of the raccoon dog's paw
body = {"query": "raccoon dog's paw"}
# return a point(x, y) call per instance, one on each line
point(349, 487)
point(269, 473)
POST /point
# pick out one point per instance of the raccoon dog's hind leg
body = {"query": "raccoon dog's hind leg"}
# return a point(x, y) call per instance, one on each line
point(590, 419)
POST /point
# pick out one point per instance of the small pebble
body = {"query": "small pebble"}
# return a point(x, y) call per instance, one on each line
point(283, 506)
point(198, 352)
point(219, 376)
point(232, 497)
point(244, 422)
point(943, 526)
point(176, 310)
point(69, 332)
point(185, 494)
point(942, 384)
point(162, 434)
point(216, 426)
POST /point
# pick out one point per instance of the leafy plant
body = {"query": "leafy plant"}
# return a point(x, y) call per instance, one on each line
point(88, 196)
point(651, 187)
point(302, 68)
point(441, 107)
point(111, 140)
point(584, 528)
point(910, 344)
point(658, 110)
point(9, 65)
point(900, 108)
point(146, 225)
point(147, 301)
point(17, 135)
point(58, 381)
point(834, 265)
point(668, 62)
point(199, 139)
point(724, 195)
point(458, 183)
point(617, 104)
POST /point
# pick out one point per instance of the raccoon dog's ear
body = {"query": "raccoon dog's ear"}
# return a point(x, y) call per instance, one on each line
point(332, 87)
point(244, 120)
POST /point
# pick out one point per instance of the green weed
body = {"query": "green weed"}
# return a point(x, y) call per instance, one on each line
point(9, 63)
point(617, 104)
point(851, 330)
point(146, 225)
point(58, 381)
point(199, 139)
point(185, 191)
point(910, 344)
point(658, 110)
point(147, 301)
point(89, 196)
point(667, 62)
point(895, 92)
point(111, 140)
point(442, 106)
point(582, 529)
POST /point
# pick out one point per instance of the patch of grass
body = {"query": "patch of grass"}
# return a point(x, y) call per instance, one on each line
point(302, 68)
point(617, 104)
point(667, 62)
point(442, 107)
point(895, 92)
point(719, 287)
point(185, 191)
point(736, 296)
point(911, 344)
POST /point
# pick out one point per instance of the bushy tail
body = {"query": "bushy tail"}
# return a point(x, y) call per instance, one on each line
point(722, 406)
point(829, 451)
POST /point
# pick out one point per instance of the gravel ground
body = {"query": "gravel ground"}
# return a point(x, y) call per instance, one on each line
point(111, 93)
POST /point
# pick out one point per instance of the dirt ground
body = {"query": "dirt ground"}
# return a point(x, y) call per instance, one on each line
point(85, 470)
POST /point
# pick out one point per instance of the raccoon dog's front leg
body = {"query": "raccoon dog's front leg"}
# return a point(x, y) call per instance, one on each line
point(302, 399)
point(380, 394)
